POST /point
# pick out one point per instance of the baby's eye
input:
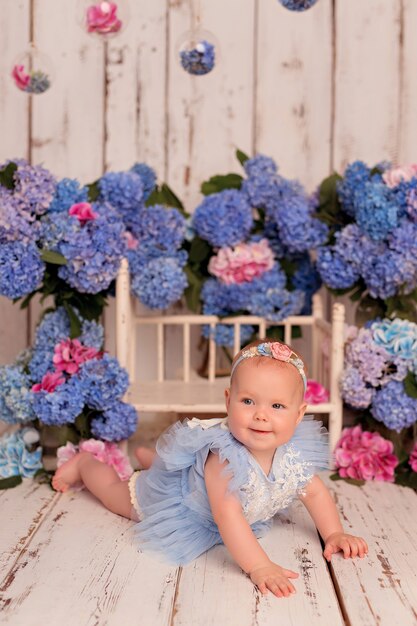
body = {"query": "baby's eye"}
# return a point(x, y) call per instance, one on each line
point(247, 401)
point(277, 405)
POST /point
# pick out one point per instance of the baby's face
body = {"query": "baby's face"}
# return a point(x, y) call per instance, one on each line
point(264, 405)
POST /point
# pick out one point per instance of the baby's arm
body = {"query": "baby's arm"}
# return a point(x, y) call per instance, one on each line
point(238, 537)
point(322, 509)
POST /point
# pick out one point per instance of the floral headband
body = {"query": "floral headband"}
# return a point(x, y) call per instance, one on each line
point(276, 350)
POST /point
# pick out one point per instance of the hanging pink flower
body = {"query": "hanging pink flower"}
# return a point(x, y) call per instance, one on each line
point(20, 77)
point(84, 212)
point(413, 458)
point(49, 382)
point(396, 175)
point(70, 354)
point(242, 263)
point(104, 451)
point(102, 18)
point(364, 455)
point(316, 393)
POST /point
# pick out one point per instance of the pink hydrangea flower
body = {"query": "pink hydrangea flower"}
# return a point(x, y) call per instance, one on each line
point(413, 458)
point(84, 212)
point(49, 382)
point(242, 263)
point(20, 77)
point(280, 351)
point(102, 18)
point(316, 393)
point(104, 451)
point(70, 354)
point(394, 176)
point(365, 456)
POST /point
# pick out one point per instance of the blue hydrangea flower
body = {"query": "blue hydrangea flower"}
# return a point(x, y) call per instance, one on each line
point(386, 272)
point(160, 229)
point(21, 268)
point(276, 304)
point(354, 390)
point(13, 224)
point(224, 218)
point(61, 406)
point(334, 270)
point(15, 458)
point(200, 59)
point(398, 337)
point(147, 176)
point(392, 406)
point(356, 175)
point(298, 230)
point(221, 299)
point(224, 334)
point(34, 188)
point(116, 423)
point(104, 381)
point(260, 165)
point(161, 282)
point(370, 359)
point(93, 250)
point(376, 212)
point(124, 190)
point(67, 193)
point(15, 406)
point(307, 279)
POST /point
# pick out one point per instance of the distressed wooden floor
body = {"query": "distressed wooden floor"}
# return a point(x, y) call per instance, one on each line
point(65, 560)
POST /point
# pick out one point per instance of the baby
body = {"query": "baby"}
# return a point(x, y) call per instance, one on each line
point(222, 480)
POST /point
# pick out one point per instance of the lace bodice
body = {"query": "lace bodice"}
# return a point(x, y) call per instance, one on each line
point(263, 496)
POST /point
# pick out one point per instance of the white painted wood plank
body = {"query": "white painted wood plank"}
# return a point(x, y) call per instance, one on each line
point(14, 104)
point(381, 588)
point(408, 121)
point(82, 567)
point(213, 590)
point(293, 89)
point(23, 509)
point(14, 129)
point(210, 115)
point(367, 81)
point(136, 90)
point(68, 124)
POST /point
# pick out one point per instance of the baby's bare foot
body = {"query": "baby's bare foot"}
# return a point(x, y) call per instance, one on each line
point(69, 474)
point(145, 456)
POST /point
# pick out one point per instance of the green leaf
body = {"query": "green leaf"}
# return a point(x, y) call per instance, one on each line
point(49, 256)
point(82, 424)
point(75, 324)
point(199, 250)
point(26, 301)
point(171, 199)
point(404, 307)
point(93, 191)
point(241, 157)
point(10, 482)
point(354, 481)
point(43, 476)
point(7, 175)
point(220, 183)
point(335, 477)
point(410, 385)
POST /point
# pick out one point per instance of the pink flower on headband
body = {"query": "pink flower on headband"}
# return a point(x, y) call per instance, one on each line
point(242, 263)
point(280, 351)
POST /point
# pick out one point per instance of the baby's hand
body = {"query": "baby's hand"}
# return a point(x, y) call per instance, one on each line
point(350, 545)
point(274, 578)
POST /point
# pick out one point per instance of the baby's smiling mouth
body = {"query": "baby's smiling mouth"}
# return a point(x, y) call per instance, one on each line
point(264, 432)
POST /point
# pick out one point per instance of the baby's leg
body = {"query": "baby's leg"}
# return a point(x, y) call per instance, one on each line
point(100, 479)
point(145, 456)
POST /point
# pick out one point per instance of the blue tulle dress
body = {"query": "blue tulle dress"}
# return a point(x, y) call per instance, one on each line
point(176, 519)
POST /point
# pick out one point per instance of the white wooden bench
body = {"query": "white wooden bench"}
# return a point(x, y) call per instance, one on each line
point(188, 393)
point(65, 560)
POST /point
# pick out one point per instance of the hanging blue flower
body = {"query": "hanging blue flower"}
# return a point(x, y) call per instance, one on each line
point(298, 5)
point(199, 58)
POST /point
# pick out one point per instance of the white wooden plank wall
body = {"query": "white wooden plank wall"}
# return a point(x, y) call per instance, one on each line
point(314, 90)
